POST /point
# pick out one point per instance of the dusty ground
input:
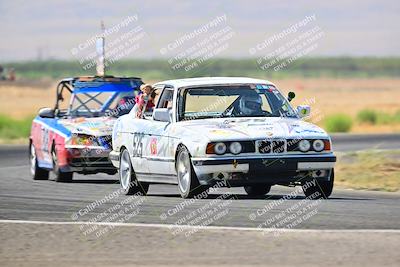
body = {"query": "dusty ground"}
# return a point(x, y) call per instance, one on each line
point(21, 99)
point(325, 96)
point(370, 169)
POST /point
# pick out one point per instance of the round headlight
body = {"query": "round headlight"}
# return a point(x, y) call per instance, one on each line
point(220, 148)
point(235, 148)
point(304, 145)
point(318, 145)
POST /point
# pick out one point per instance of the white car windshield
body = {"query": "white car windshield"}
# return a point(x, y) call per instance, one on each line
point(251, 100)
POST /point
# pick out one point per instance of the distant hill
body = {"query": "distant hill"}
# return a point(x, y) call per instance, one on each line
point(161, 69)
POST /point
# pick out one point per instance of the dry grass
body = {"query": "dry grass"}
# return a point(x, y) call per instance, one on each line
point(372, 170)
point(327, 96)
point(23, 101)
point(346, 95)
point(18, 141)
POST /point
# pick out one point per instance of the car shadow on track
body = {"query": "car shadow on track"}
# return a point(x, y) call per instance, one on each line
point(94, 181)
point(246, 197)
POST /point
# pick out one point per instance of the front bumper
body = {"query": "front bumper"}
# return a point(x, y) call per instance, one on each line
point(282, 169)
point(88, 161)
point(114, 158)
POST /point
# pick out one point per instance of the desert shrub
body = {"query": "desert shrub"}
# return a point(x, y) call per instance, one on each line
point(396, 116)
point(367, 116)
point(12, 128)
point(339, 123)
point(384, 118)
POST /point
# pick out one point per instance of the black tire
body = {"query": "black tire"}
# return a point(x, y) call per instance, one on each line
point(323, 189)
point(257, 190)
point(36, 172)
point(60, 177)
point(128, 181)
point(188, 183)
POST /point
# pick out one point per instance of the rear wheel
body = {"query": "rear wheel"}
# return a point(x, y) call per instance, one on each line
point(322, 189)
point(59, 175)
point(188, 184)
point(127, 177)
point(36, 172)
point(257, 190)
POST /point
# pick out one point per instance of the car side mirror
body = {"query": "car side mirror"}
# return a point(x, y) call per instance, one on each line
point(291, 95)
point(162, 114)
point(46, 113)
point(304, 111)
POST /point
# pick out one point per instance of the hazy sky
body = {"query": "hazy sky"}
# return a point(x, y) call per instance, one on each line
point(32, 29)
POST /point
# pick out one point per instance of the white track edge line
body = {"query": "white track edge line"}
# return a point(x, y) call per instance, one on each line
point(173, 226)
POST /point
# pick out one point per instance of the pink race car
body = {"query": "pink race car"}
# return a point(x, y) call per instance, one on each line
point(78, 138)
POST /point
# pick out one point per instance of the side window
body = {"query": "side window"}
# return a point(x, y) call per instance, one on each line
point(157, 93)
point(166, 98)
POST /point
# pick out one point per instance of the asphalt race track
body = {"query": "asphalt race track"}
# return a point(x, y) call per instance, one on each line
point(351, 228)
point(354, 142)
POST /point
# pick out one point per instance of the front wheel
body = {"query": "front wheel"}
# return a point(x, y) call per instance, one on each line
point(36, 172)
point(188, 183)
point(322, 189)
point(128, 181)
point(61, 177)
point(257, 190)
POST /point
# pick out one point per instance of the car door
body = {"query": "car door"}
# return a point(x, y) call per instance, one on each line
point(139, 136)
point(156, 147)
point(132, 131)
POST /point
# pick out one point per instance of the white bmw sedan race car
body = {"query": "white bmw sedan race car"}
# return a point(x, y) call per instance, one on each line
point(239, 131)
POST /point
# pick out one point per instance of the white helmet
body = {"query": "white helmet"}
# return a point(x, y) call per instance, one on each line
point(250, 104)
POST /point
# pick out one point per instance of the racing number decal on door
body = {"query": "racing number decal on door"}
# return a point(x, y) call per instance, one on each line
point(137, 144)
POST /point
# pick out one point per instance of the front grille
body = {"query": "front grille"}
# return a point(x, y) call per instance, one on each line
point(265, 147)
point(293, 145)
point(278, 146)
point(272, 146)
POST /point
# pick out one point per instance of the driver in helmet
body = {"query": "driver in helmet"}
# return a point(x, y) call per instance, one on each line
point(250, 105)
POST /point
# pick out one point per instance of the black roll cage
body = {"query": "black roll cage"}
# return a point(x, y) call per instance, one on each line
point(68, 84)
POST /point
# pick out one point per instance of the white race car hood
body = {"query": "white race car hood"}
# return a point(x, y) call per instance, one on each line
point(253, 128)
point(99, 126)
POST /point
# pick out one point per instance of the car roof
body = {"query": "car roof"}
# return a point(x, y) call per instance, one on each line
point(107, 83)
point(99, 78)
point(212, 81)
